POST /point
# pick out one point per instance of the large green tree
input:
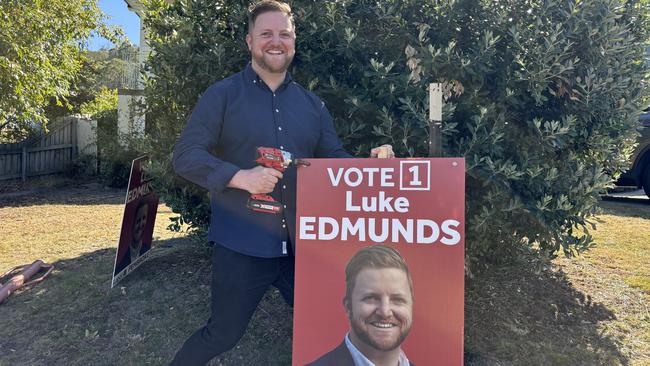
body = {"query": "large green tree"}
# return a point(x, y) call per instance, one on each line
point(101, 71)
point(41, 44)
point(541, 97)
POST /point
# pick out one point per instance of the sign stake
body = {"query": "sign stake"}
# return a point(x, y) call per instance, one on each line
point(435, 120)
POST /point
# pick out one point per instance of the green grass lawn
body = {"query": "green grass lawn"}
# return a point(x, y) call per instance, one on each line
point(592, 310)
point(624, 238)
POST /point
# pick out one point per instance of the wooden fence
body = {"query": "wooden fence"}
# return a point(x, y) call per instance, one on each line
point(48, 154)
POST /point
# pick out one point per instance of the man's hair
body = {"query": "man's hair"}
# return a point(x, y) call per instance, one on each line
point(265, 6)
point(376, 257)
point(140, 205)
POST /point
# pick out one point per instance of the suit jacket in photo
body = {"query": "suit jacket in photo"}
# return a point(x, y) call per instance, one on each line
point(126, 259)
point(339, 356)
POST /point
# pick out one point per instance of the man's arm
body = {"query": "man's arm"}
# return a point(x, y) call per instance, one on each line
point(193, 161)
point(330, 146)
point(256, 181)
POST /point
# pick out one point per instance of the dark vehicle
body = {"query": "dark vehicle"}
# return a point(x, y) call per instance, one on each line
point(639, 172)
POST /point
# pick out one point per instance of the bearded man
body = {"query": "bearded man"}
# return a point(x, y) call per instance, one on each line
point(379, 304)
point(259, 106)
point(136, 247)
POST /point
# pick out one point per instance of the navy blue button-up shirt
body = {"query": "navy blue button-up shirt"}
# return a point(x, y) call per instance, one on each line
point(231, 119)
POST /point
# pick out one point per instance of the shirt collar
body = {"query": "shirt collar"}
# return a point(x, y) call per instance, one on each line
point(251, 76)
point(134, 253)
point(361, 360)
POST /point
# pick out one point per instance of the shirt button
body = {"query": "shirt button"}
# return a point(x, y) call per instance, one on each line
point(284, 187)
point(283, 225)
point(281, 147)
point(274, 94)
point(279, 128)
point(254, 81)
point(285, 206)
point(277, 110)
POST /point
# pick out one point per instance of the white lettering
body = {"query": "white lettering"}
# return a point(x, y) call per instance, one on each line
point(322, 228)
point(369, 204)
point(415, 170)
point(353, 177)
point(335, 179)
point(384, 202)
point(358, 229)
point(371, 175)
point(405, 232)
point(348, 202)
point(376, 230)
point(421, 227)
point(353, 183)
point(307, 224)
point(372, 233)
point(139, 191)
point(387, 177)
point(455, 235)
point(402, 204)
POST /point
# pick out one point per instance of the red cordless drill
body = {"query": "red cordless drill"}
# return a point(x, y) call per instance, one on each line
point(279, 160)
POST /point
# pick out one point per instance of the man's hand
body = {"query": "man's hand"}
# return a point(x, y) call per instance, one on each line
point(382, 152)
point(257, 180)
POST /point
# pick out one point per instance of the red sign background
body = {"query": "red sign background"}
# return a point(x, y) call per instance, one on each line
point(437, 269)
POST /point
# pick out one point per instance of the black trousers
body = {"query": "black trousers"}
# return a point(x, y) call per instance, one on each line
point(238, 284)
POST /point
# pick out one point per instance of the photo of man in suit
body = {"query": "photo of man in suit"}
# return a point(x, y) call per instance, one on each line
point(379, 304)
point(136, 247)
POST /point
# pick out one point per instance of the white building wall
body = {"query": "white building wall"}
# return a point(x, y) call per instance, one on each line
point(130, 119)
point(87, 137)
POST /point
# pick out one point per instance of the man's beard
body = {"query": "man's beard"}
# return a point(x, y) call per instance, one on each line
point(134, 249)
point(261, 62)
point(359, 327)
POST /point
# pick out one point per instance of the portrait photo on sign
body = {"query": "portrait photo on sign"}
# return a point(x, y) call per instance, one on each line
point(378, 287)
point(140, 207)
point(137, 234)
point(378, 303)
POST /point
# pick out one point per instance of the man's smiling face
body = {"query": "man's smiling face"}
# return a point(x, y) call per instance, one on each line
point(272, 42)
point(139, 222)
point(380, 309)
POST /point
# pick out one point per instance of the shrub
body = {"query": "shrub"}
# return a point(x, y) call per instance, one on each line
point(540, 96)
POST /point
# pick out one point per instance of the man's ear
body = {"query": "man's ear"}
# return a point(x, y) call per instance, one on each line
point(346, 306)
point(249, 39)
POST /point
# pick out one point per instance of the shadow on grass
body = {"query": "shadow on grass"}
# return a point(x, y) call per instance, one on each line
point(83, 194)
point(74, 318)
point(514, 316)
point(625, 209)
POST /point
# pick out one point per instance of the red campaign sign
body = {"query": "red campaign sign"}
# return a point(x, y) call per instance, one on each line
point(140, 208)
point(415, 206)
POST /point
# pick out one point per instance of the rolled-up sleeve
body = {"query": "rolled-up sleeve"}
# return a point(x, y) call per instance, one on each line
point(192, 158)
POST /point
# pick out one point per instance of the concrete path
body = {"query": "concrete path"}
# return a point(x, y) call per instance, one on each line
point(626, 195)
